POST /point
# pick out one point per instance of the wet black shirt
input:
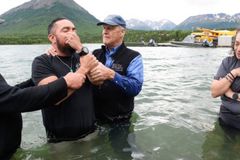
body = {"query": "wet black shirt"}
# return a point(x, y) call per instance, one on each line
point(74, 118)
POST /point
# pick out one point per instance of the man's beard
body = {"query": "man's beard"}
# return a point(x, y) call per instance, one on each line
point(66, 49)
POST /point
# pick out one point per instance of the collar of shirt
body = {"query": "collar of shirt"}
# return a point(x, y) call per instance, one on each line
point(109, 53)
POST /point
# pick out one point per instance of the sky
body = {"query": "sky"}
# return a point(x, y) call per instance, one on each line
point(155, 10)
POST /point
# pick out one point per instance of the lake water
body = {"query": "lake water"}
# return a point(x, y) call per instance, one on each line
point(174, 118)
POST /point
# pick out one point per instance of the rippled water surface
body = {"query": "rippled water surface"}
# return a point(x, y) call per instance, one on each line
point(175, 117)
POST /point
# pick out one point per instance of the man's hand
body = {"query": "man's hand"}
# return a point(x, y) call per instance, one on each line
point(100, 73)
point(95, 82)
point(51, 51)
point(74, 80)
point(74, 41)
point(87, 63)
point(236, 72)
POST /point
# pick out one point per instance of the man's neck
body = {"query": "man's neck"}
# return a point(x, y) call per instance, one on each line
point(59, 53)
point(110, 47)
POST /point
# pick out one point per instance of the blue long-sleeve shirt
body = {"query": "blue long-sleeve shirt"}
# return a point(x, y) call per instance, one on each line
point(132, 82)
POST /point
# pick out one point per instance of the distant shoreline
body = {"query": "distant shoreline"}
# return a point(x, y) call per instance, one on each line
point(132, 36)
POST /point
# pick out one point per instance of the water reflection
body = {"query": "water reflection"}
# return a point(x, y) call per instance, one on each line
point(122, 140)
point(175, 114)
point(115, 141)
point(222, 143)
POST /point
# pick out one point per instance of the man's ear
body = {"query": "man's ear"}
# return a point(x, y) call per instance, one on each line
point(123, 32)
point(52, 38)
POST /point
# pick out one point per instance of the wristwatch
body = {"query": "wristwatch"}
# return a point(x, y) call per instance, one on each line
point(83, 52)
point(235, 96)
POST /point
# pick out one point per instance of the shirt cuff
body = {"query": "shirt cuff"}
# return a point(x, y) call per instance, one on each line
point(118, 81)
point(117, 78)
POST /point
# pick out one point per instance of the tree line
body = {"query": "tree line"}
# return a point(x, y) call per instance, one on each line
point(131, 36)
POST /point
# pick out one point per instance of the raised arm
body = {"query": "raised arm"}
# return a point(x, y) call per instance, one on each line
point(15, 99)
point(23, 97)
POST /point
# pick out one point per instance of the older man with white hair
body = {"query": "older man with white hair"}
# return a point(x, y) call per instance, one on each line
point(119, 76)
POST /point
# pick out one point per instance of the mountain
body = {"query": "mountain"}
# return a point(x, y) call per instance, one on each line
point(236, 18)
point(2, 20)
point(136, 24)
point(147, 25)
point(33, 17)
point(163, 24)
point(213, 21)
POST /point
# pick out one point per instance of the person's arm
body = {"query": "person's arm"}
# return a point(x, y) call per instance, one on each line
point(229, 93)
point(15, 99)
point(131, 83)
point(222, 86)
point(25, 84)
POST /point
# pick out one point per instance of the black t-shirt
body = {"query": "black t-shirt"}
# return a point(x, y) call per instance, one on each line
point(74, 117)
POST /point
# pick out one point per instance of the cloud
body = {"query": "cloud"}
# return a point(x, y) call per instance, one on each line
point(174, 10)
